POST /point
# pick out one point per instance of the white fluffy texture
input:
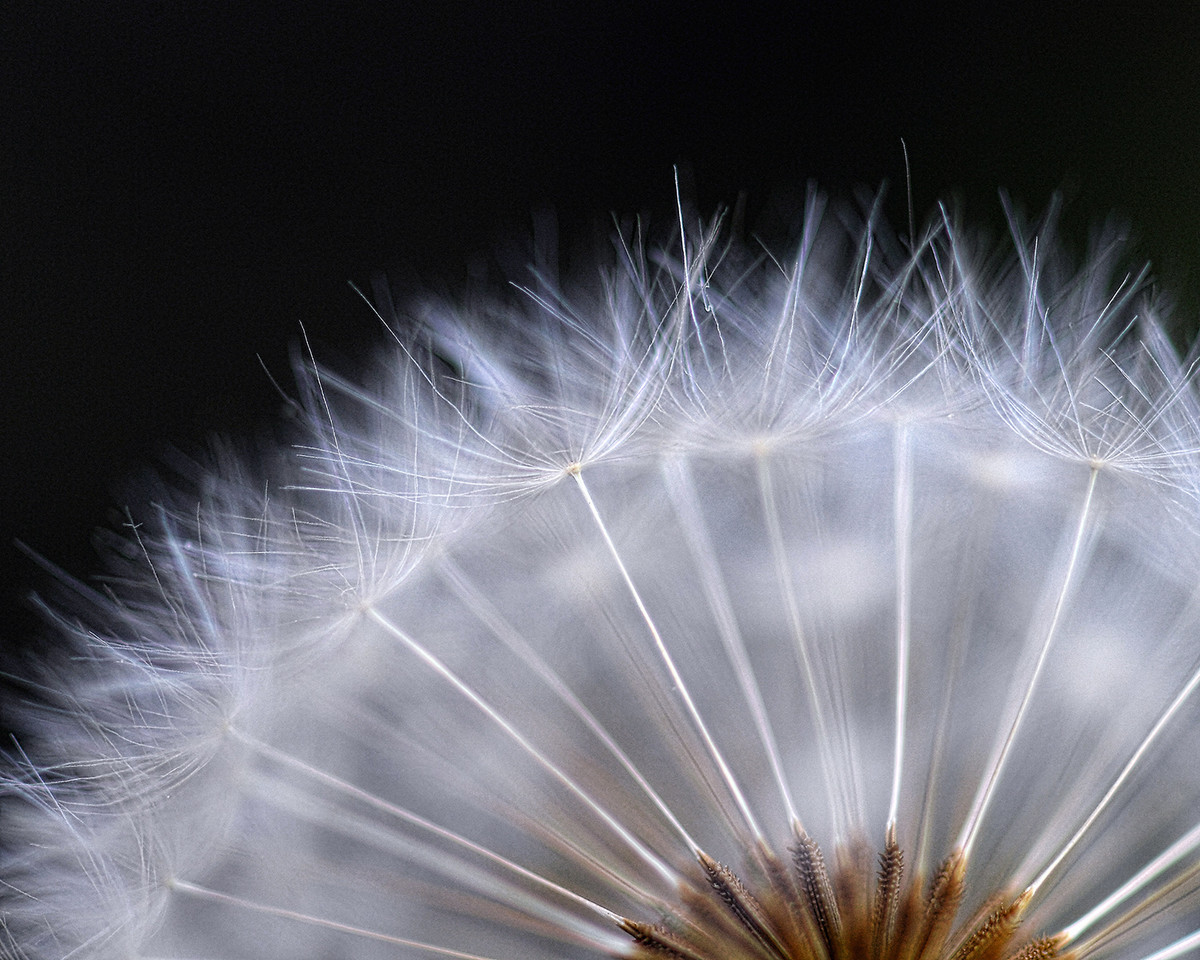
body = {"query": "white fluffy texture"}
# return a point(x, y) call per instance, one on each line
point(813, 470)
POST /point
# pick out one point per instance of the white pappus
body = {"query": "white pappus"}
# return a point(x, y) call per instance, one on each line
point(842, 605)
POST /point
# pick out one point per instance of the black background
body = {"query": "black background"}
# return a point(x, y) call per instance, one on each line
point(185, 184)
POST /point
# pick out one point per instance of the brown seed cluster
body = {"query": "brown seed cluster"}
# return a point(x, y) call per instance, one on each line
point(865, 908)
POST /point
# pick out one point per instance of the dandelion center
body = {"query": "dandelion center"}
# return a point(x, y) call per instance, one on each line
point(864, 908)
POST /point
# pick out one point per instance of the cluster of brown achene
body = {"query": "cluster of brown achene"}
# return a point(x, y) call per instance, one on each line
point(856, 911)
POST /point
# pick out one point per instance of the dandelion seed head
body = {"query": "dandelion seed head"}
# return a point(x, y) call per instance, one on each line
point(839, 603)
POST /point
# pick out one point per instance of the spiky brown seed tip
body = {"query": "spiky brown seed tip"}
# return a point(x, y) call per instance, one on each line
point(862, 909)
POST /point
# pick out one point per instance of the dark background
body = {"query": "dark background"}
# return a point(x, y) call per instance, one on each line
point(185, 184)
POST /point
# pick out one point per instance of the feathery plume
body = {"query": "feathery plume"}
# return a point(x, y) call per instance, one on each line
point(842, 606)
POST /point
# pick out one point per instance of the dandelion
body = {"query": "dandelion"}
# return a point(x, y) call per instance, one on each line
point(836, 606)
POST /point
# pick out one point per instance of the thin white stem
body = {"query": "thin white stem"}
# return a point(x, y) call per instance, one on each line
point(687, 268)
point(343, 473)
point(615, 825)
point(677, 680)
point(490, 617)
point(682, 490)
point(800, 642)
point(1124, 775)
point(413, 819)
point(423, 860)
point(205, 893)
point(862, 282)
point(903, 514)
point(987, 791)
point(934, 774)
point(1184, 847)
point(1178, 948)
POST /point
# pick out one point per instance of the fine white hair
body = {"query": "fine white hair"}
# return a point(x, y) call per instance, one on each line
point(864, 538)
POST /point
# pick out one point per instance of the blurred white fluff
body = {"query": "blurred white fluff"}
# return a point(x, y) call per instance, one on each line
point(576, 586)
